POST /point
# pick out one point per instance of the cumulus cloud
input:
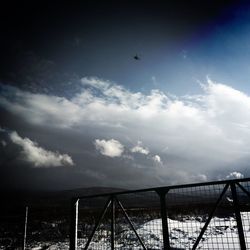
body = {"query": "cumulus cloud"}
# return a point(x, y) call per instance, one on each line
point(39, 108)
point(37, 156)
point(157, 158)
point(202, 177)
point(140, 149)
point(111, 148)
point(202, 133)
point(95, 82)
point(114, 148)
point(235, 175)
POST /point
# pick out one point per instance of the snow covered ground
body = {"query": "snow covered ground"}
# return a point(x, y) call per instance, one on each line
point(220, 234)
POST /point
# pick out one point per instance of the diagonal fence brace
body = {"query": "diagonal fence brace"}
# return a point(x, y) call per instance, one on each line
point(210, 217)
point(130, 223)
point(98, 222)
point(238, 216)
point(243, 189)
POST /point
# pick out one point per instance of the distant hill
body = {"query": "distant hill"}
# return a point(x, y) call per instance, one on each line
point(89, 191)
point(49, 198)
point(62, 199)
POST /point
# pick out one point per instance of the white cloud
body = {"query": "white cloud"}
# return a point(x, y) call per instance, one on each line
point(196, 177)
point(38, 156)
point(202, 177)
point(140, 149)
point(235, 175)
point(95, 82)
point(40, 108)
point(157, 158)
point(111, 148)
point(4, 143)
point(202, 132)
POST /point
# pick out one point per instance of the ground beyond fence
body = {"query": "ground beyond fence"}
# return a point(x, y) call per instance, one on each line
point(214, 215)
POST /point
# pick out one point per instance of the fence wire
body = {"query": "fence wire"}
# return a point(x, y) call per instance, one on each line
point(243, 191)
point(190, 208)
point(47, 226)
point(199, 216)
point(11, 230)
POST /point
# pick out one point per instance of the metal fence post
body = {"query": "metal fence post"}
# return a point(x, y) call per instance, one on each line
point(25, 227)
point(164, 217)
point(74, 224)
point(238, 216)
point(113, 223)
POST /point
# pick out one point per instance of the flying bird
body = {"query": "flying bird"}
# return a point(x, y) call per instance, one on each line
point(136, 57)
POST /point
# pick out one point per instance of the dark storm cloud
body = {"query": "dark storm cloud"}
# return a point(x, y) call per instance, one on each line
point(90, 168)
point(114, 135)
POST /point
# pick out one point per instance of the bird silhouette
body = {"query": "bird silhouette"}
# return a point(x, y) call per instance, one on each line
point(136, 57)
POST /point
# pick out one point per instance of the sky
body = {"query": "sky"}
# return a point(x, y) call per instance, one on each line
point(77, 110)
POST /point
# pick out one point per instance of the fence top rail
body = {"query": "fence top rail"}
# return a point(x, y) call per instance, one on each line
point(164, 188)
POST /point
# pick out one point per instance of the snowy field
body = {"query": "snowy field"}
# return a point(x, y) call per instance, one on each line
point(220, 234)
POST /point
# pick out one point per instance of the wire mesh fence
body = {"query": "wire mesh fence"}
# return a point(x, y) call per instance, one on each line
point(207, 216)
point(47, 226)
point(243, 189)
point(12, 228)
point(34, 227)
point(213, 215)
point(201, 216)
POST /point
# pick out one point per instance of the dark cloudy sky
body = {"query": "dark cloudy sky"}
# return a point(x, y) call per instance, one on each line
point(77, 109)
